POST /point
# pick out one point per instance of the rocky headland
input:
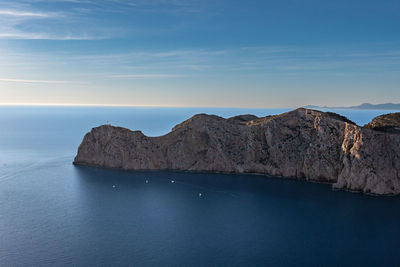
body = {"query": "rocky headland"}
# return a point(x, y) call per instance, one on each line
point(304, 144)
point(386, 123)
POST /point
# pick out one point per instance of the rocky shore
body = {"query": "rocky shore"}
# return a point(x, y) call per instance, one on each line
point(305, 144)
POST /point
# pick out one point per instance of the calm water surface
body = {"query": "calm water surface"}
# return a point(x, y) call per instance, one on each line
point(55, 214)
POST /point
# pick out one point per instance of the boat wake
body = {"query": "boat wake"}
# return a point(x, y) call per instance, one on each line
point(9, 171)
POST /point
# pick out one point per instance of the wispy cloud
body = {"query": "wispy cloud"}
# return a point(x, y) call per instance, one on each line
point(26, 20)
point(261, 60)
point(44, 36)
point(37, 81)
point(87, 19)
point(17, 13)
point(178, 7)
point(139, 65)
point(146, 76)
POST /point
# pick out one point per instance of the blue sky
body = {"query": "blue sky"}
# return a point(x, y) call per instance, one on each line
point(283, 53)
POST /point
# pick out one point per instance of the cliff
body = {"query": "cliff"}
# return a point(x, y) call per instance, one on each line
point(387, 123)
point(304, 144)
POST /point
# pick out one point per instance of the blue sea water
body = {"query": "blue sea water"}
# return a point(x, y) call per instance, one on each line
point(55, 214)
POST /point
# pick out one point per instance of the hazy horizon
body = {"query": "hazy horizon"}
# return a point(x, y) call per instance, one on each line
point(191, 53)
point(166, 106)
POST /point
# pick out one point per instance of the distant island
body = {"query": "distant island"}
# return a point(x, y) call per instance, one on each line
point(305, 144)
point(385, 106)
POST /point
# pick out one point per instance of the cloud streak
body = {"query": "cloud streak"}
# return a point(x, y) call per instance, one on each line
point(84, 19)
point(29, 22)
point(15, 13)
point(146, 76)
point(37, 81)
point(44, 36)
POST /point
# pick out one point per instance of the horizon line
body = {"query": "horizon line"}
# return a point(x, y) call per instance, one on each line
point(128, 106)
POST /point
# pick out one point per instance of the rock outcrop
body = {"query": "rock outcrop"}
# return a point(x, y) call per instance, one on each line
point(386, 123)
point(304, 144)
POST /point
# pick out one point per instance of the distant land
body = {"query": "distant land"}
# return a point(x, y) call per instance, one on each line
point(387, 106)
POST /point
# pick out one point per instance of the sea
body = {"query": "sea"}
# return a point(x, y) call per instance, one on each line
point(53, 213)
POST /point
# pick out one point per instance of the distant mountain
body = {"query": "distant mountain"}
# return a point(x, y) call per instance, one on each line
point(388, 106)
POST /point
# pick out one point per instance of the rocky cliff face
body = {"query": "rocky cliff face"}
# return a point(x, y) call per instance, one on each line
point(304, 144)
point(386, 123)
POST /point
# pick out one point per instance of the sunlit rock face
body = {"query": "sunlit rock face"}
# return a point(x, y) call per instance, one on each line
point(304, 144)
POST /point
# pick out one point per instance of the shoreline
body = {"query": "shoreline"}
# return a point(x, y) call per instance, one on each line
point(268, 176)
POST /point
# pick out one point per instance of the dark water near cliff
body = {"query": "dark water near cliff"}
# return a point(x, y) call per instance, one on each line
point(55, 214)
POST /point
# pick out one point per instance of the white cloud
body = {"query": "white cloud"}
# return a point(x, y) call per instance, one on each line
point(29, 22)
point(36, 81)
point(44, 36)
point(79, 19)
point(16, 13)
point(146, 76)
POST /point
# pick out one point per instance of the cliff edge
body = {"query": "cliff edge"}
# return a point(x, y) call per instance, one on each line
point(386, 123)
point(304, 144)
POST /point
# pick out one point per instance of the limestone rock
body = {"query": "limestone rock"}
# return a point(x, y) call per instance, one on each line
point(387, 123)
point(304, 144)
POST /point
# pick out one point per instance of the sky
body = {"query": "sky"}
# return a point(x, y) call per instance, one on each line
point(181, 53)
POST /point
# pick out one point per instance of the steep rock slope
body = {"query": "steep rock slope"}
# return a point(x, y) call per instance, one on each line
point(304, 144)
point(386, 123)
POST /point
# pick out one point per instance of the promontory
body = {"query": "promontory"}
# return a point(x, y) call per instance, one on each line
point(304, 144)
